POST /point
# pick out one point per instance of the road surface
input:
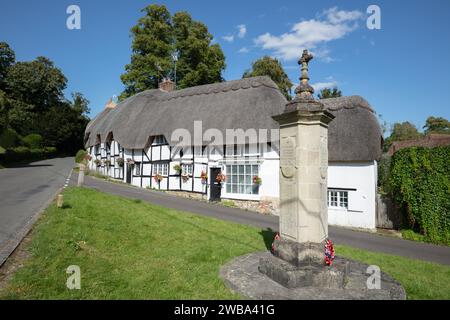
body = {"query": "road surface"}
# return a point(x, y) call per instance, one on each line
point(25, 191)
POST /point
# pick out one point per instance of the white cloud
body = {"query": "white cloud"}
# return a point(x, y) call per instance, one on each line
point(229, 38)
point(242, 31)
point(322, 85)
point(243, 50)
point(336, 16)
point(332, 24)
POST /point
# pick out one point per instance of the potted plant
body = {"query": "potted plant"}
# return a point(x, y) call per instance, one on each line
point(221, 178)
point(177, 168)
point(107, 162)
point(130, 162)
point(97, 162)
point(204, 177)
point(185, 178)
point(158, 178)
point(257, 180)
point(120, 162)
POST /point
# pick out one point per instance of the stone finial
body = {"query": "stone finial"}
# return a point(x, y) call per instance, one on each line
point(304, 91)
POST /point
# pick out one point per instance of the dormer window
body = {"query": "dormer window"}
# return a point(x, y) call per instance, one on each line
point(157, 140)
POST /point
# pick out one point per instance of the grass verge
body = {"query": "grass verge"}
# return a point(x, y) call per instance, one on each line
point(129, 249)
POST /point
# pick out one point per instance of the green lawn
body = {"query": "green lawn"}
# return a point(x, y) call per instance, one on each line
point(133, 250)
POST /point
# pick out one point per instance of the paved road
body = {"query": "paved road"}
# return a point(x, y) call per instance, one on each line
point(363, 240)
point(25, 191)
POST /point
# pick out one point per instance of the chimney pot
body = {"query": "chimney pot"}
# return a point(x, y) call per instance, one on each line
point(167, 85)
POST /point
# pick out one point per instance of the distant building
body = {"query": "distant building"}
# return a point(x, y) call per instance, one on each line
point(429, 141)
point(139, 129)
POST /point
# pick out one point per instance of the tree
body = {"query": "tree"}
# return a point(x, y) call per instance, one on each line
point(268, 66)
point(80, 104)
point(437, 125)
point(37, 83)
point(329, 93)
point(199, 61)
point(7, 59)
point(401, 131)
point(156, 37)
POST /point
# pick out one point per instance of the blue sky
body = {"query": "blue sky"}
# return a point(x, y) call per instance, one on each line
point(403, 69)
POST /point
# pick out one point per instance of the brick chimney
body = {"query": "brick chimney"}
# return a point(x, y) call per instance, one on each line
point(167, 85)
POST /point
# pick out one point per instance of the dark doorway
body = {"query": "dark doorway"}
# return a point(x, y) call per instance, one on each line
point(129, 173)
point(215, 186)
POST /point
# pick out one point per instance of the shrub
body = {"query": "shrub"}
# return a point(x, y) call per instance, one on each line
point(22, 153)
point(33, 141)
point(9, 138)
point(420, 184)
point(80, 156)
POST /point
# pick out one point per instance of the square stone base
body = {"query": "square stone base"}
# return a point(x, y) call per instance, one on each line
point(300, 254)
point(291, 276)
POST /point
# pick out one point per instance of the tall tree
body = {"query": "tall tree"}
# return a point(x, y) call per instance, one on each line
point(37, 83)
point(80, 104)
point(401, 131)
point(268, 66)
point(156, 38)
point(437, 125)
point(329, 93)
point(7, 59)
point(199, 61)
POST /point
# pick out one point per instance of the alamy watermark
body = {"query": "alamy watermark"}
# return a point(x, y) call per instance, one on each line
point(214, 140)
point(73, 21)
point(74, 280)
point(374, 280)
point(374, 20)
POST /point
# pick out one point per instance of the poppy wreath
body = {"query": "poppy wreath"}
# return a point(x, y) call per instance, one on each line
point(329, 252)
point(277, 237)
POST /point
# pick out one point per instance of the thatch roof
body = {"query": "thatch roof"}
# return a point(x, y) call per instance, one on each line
point(241, 104)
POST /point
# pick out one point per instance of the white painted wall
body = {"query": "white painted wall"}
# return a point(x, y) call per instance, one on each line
point(361, 204)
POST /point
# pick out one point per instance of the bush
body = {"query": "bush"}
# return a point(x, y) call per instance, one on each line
point(20, 154)
point(33, 141)
point(9, 138)
point(80, 156)
point(420, 184)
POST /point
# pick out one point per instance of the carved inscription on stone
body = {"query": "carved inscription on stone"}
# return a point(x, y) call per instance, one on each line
point(287, 156)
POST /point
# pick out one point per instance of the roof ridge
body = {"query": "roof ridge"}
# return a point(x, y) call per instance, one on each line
point(226, 86)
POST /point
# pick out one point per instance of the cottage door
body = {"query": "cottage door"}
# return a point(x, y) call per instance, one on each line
point(129, 173)
point(215, 187)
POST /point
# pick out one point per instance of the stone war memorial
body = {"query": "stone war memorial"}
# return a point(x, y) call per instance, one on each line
point(296, 267)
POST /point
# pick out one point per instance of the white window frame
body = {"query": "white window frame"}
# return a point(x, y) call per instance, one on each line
point(233, 175)
point(137, 169)
point(160, 168)
point(186, 169)
point(337, 199)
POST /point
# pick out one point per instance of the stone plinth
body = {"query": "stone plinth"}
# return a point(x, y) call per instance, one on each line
point(313, 275)
point(242, 276)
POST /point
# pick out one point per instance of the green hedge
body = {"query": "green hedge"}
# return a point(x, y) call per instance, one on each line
point(420, 184)
point(9, 138)
point(21, 154)
point(33, 141)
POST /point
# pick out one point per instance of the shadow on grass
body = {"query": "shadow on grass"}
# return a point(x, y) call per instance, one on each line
point(268, 236)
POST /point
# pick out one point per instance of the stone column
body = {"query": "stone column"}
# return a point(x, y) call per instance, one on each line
point(81, 175)
point(303, 176)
